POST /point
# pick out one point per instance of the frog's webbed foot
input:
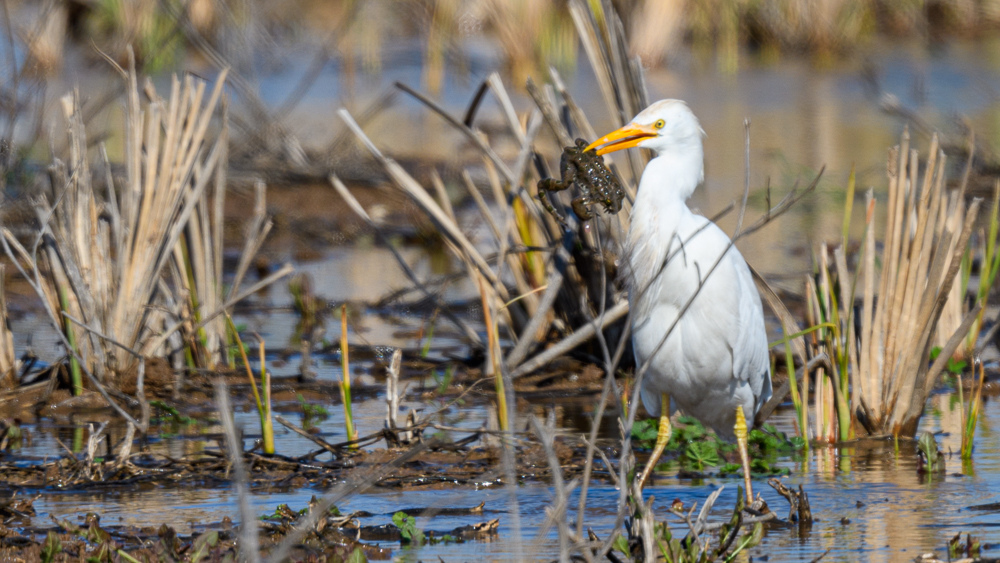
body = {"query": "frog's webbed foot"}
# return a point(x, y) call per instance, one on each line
point(613, 205)
point(580, 208)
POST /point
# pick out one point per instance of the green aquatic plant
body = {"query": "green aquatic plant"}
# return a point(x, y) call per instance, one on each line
point(957, 549)
point(931, 459)
point(51, 547)
point(444, 379)
point(76, 375)
point(954, 366)
point(702, 454)
point(262, 396)
point(988, 270)
point(700, 449)
point(970, 410)
point(171, 414)
point(694, 549)
point(145, 26)
point(311, 413)
point(408, 528)
point(345, 376)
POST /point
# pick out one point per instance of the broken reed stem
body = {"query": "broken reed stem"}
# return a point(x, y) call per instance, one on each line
point(267, 424)
point(249, 540)
point(8, 359)
point(345, 376)
point(263, 404)
point(493, 355)
point(74, 365)
point(970, 412)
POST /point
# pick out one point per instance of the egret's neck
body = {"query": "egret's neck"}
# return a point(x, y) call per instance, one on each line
point(671, 178)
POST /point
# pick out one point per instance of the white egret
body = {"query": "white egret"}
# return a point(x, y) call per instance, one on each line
point(711, 358)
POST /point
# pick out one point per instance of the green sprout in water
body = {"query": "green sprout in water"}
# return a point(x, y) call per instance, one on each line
point(311, 413)
point(408, 528)
point(954, 367)
point(171, 414)
point(444, 380)
point(931, 460)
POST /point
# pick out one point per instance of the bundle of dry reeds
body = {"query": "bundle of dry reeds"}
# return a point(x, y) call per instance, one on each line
point(926, 233)
point(121, 272)
point(877, 381)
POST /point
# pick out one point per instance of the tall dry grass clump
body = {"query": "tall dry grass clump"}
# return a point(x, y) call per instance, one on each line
point(124, 268)
point(877, 381)
point(926, 234)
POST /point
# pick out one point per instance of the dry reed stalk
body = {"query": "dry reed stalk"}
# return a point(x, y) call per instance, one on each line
point(954, 307)
point(657, 29)
point(813, 317)
point(494, 354)
point(197, 262)
point(249, 541)
point(926, 235)
point(847, 292)
point(45, 43)
point(420, 196)
point(8, 359)
point(109, 254)
point(556, 513)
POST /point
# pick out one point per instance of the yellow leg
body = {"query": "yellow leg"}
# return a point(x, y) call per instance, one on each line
point(662, 437)
point(741, 444)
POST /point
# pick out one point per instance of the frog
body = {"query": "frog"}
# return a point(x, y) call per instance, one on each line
point(596, 183)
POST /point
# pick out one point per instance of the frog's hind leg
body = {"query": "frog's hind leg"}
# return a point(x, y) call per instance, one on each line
point(551, 185)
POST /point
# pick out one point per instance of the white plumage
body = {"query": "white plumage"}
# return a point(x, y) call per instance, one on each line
point(716, 357)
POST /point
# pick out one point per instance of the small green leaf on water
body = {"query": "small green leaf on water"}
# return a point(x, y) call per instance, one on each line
point(621, 544)
point(645, 430)
point(356, 556)
point(935, 352)
point(408, 528)
point(202, 544)
point(729, 469)
point(702, 454)
point(51, 547)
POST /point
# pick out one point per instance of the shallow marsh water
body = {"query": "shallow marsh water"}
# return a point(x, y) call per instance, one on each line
point(801, 118)
point(901, 513)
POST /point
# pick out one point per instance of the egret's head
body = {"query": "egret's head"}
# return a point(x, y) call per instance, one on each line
point(667, 125)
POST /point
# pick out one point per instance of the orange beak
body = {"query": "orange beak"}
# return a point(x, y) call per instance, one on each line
point(624, 138)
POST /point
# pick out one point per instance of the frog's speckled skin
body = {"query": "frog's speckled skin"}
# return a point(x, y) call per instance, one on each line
point(596, 183)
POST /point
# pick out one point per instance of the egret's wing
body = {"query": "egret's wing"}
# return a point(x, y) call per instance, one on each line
point(750, 355)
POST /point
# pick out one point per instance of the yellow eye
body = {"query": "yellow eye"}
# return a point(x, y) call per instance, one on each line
point(659, 124)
